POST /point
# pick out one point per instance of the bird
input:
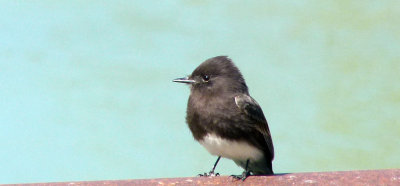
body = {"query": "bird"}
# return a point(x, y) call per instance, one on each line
point(226, 120)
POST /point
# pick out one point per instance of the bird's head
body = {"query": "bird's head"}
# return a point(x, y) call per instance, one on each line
point(217, 74)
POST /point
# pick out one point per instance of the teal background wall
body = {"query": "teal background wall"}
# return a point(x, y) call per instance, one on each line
point(86, 91)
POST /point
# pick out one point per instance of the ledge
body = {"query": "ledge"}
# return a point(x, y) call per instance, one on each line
point(364, 177)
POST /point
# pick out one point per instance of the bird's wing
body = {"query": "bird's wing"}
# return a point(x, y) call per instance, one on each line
point(253, 112)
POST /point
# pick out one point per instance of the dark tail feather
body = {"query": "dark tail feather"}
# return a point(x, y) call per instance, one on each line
point(264, 168)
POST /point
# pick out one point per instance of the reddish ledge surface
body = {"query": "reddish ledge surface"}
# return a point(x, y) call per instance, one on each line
point(365, 177)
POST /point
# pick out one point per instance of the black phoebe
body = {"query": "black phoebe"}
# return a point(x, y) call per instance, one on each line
point(226, 120)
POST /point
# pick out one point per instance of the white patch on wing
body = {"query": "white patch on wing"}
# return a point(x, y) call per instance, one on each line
point(235, 150)
point(236, 101)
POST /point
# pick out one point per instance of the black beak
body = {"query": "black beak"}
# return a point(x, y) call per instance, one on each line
point(184, 80)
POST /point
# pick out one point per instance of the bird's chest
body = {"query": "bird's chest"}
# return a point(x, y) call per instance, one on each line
point(210, 115)
point(205, 115)
point(212, 107)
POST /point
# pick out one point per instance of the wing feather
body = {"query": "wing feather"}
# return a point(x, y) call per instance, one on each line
point(254, 113)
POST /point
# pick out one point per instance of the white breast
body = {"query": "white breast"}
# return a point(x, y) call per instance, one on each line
point(235, 150)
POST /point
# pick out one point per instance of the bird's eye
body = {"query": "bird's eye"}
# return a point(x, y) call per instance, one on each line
point(206, 77)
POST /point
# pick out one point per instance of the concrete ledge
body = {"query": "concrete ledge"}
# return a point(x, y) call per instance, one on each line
point(365, 177)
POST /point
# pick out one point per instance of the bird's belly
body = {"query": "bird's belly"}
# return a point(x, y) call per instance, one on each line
point(235, 150)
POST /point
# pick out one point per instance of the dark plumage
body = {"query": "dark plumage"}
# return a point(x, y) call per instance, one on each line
point(225, 119)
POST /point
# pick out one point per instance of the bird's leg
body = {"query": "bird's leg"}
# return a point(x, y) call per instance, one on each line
point(245, 174)
point(212, 173)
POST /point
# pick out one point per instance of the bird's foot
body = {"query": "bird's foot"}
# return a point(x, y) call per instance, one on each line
point(242, 176)
point(210, 174)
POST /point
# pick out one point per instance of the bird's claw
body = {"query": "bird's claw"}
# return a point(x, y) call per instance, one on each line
point(242, 176)
point(210, 174)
